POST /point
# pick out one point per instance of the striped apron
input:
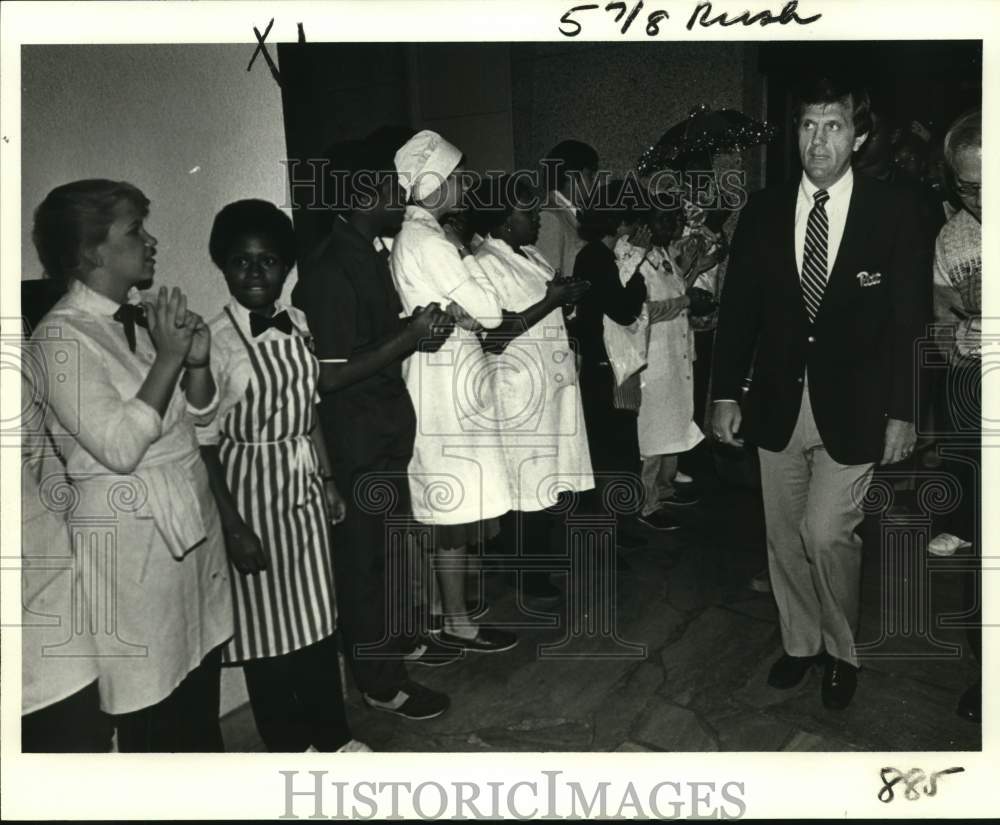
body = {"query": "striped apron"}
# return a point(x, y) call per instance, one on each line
point(270, 464)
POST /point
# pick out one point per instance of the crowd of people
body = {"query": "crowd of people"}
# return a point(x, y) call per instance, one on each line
point(456, 364)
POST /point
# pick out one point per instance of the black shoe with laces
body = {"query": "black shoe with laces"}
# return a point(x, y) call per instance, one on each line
point(788, 671)
point(840, 680)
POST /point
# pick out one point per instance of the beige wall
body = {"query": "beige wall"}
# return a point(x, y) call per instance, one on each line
point(187, 124)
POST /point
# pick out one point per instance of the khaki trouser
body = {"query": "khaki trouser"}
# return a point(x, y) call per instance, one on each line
point(658, 473)
point(812, 505)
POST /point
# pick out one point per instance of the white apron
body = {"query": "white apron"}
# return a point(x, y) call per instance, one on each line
point(155, 574)
point(544, 438)
point(666, 413)
point(457, 474)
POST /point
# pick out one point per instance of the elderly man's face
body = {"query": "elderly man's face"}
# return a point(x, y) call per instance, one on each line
point(968, 170)
point(827, 140)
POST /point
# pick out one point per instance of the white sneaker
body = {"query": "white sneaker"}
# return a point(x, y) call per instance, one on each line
point(946, 544)
point(354, 746)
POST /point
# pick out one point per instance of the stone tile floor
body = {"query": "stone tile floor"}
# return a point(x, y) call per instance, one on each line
point(698, 681)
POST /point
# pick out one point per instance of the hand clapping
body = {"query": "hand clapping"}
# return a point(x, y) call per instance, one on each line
point(170, 327)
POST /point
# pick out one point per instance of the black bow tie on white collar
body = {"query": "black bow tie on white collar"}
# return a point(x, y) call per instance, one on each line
point(261, 323)
point(131, 316)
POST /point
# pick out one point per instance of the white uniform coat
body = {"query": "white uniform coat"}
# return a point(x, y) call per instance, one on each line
point(457, 474)
point(156, 576)
point(666, 414)
point(58, 656)
point(544, 438)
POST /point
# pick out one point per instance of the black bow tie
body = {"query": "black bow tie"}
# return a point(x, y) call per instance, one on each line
point(130, 316)
point(279, 321)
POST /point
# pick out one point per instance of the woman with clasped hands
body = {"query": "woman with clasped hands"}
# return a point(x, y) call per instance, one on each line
point(127, 437)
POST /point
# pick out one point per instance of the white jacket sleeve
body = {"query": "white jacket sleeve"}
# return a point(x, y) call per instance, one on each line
point(114, 430)
point(461, 280)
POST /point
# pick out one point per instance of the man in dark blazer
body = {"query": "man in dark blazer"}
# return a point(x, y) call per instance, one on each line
point(824, 300)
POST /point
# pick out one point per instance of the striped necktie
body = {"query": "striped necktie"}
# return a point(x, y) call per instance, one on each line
point(814, 272)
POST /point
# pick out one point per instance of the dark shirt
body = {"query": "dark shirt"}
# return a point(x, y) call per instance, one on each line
point(345, 288)
point(606, 296)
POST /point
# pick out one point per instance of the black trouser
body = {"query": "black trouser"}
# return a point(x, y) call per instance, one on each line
point(704, 344)
point(361, 548)
point(297, 699)
point(612, 435)
point(187, 721)
point(535, 540)
point(75, 724)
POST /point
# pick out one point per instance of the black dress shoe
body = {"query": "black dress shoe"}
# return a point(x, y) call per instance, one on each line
point(970, 706)
point(788, 671)
point(840, 680)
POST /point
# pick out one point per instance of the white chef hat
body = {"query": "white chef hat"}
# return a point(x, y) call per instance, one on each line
point(424, 161)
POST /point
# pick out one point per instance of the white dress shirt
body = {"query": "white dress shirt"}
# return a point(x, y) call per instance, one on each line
point(836, 213)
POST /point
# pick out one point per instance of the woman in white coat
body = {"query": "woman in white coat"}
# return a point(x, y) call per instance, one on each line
point(666, 411)
point(458, 476)
point(538, 402)
point(126, 430)
point(60, 702)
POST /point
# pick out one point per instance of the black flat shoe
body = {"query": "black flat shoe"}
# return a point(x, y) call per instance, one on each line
point(660, 520)
point(487, 640)
point(840, 680)
point(970, 706)
point(788, 671)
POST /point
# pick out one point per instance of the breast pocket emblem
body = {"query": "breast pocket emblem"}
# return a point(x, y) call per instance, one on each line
point(869, 278)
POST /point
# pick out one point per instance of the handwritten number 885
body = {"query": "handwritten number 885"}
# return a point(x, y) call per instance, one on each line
point(652, 20)
point(910, 780)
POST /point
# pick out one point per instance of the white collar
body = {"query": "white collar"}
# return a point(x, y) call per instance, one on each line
point(242, 314)
point(90, 300)
point(844, 185)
